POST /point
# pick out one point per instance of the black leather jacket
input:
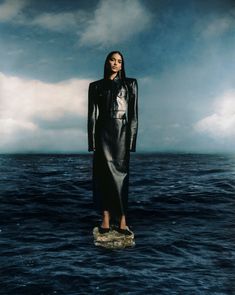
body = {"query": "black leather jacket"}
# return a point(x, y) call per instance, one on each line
point(122, 102)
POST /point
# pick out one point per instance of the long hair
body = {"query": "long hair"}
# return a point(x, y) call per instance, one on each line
point(121, 73)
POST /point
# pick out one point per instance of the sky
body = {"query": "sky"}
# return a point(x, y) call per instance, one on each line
point(180, 51)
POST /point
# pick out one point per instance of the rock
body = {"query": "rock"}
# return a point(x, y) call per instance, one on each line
point(113, 239)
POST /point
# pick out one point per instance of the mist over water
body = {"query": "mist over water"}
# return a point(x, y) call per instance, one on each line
point(181, 208)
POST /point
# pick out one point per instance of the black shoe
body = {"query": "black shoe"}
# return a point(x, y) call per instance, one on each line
point(103, 230)
point(125, 231)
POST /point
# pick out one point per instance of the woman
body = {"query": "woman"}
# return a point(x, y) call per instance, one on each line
point(112, 132)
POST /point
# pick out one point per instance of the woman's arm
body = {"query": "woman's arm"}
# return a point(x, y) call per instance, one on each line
point(92, 114)
point(133, 114)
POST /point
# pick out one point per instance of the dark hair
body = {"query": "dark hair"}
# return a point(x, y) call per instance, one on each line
point(121, 73)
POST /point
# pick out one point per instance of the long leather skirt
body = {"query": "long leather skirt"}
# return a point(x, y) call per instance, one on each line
point(111, 166)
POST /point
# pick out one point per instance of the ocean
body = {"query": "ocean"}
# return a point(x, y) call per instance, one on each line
point(181, 209)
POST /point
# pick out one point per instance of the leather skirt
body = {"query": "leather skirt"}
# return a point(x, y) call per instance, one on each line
point(111, 165)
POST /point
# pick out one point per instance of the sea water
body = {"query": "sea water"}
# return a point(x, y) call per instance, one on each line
point(181, 209)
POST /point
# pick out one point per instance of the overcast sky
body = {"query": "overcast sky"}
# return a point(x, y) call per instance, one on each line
point(181, 52)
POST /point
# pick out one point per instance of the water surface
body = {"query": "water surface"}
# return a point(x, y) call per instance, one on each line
point(181, 208)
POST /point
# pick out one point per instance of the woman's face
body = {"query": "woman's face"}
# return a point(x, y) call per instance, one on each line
point(115, 63)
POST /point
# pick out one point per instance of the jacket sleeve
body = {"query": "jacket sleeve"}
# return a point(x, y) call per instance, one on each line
point(133, 115)
point(91, 119)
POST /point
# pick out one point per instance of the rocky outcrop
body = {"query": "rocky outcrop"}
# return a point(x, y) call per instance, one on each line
point(113, 239)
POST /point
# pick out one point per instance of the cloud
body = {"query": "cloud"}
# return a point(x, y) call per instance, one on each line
point(112, 22)
point(214, 25)
point(30, 110)
point(61, 21)
point(220, 124)
point(115, 22)
point(181, 97)
point(219, 26)
point(11, 8)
